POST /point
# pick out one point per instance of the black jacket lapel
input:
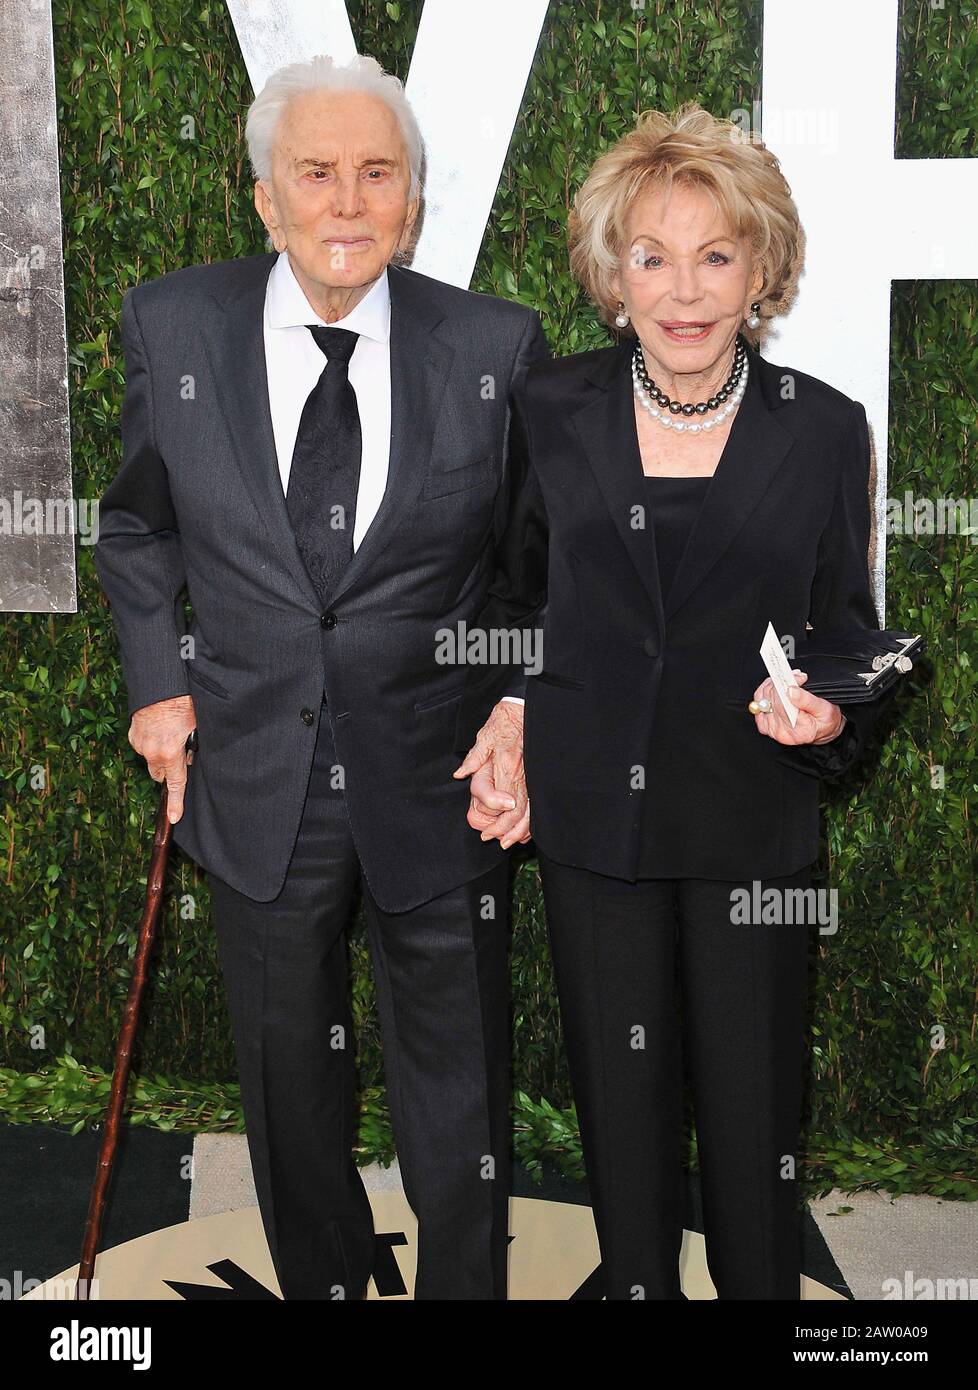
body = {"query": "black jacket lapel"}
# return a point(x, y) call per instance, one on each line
point(756, 447)
point(606, 425)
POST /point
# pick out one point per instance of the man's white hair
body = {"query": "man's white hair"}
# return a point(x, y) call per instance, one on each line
point(321, 74)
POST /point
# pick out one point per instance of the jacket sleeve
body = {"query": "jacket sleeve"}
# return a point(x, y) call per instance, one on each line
point(138, 556)
point(516, 596)
point(842, 598)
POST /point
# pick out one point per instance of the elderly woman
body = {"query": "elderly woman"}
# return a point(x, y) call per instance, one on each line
point(681, 493)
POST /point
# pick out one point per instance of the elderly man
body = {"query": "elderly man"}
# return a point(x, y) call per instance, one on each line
point(316, 447)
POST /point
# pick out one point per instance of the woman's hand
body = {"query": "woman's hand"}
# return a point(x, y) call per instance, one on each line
point(499, 808)
point(819, 721)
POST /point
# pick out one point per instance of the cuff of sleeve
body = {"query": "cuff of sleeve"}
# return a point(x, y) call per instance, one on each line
point(150, 683)
point(828, 760)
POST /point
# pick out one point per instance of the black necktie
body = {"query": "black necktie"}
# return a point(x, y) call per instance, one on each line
point(325, 473)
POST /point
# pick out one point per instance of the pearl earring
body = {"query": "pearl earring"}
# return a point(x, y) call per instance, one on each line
point(754, 320)
point(621, 318)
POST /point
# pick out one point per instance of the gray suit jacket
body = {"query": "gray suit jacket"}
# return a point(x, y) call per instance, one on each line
point(197, 506)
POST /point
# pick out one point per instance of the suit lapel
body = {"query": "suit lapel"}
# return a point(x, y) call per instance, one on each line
point(606, 425)
point(420, 364)
point(237, 348)
point(755, 449)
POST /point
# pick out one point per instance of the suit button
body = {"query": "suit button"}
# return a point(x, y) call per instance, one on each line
point(306, 716)
point(652, 646)
point(327, 620)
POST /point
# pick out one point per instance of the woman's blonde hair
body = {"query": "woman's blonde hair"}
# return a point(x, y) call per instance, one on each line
point(697, 150)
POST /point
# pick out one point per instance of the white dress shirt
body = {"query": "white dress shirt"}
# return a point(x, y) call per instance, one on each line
point(294, 364)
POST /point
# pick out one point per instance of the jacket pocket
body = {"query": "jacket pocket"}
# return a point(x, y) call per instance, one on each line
point(563, 682)
point(446, 480)
point(206, 682)
point(436, 700)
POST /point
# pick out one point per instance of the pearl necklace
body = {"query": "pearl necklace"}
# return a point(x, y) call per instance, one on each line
point(665, 410)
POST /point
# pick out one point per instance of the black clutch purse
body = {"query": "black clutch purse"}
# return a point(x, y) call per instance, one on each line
point(850, 668)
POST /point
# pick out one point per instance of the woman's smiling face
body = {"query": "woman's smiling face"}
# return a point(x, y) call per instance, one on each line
point(685, 281)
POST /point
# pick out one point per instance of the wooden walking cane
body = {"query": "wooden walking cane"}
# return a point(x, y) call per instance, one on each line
point(127, 1036)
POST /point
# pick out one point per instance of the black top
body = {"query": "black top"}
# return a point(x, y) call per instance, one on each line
point(674, 505)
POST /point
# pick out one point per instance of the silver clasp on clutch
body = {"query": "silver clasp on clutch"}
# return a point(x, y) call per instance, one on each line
point(881, 663)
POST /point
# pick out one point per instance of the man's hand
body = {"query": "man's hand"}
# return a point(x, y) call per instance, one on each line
point(499, 807)
point(159, 734)
point(819, 721)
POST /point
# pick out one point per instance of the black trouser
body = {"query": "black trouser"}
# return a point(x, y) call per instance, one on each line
point(618, 948)
point(442, 990)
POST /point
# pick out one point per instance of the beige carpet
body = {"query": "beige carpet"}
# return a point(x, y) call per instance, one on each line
point(902, 1240)
point(884, 1245)
point(222, 1179)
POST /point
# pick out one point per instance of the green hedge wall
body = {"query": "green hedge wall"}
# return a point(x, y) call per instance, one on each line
point(151, 101)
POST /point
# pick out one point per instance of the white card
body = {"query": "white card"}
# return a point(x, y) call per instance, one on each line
point(779, 669)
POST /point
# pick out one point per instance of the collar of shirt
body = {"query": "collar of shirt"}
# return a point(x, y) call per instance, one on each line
point(287, 306)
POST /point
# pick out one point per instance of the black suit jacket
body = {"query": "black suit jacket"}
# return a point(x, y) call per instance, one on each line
point(197, 508)
point(641, 757)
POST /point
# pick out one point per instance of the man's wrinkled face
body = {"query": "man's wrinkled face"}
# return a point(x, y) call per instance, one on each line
point(337, 199)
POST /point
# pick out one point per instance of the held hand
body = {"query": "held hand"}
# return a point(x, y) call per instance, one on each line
point(499, 807)
point(819, 721)
point(159, 734)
